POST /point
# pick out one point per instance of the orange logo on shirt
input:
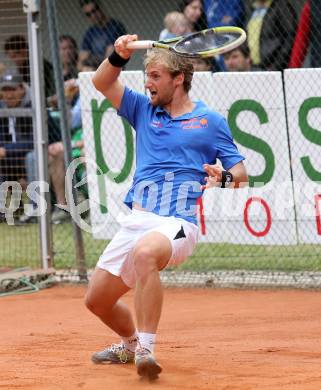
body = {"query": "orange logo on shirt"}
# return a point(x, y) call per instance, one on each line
point(204, 122)
point(194, 123)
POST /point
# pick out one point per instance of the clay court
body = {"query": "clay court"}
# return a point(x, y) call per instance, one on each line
point(208, 339)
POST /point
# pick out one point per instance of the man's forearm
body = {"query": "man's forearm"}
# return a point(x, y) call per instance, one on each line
point(105, 76)
point(240, 178)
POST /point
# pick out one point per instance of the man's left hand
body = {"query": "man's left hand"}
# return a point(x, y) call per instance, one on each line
point(214, 177)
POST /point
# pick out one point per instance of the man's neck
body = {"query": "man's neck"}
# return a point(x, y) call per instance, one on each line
point(180, 106)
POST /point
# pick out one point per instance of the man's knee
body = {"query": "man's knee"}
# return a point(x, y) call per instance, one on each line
point(145, 262)
point(90, 302)
point(96, 304)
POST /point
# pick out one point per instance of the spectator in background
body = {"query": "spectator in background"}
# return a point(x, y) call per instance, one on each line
point(239, 59)
point(16, 48)
point(56, 149)
point(16, 133)
point(271, 31)
point(100, 37)
point(68, 51)
point(175, 24)
point(224, 13)
point(193, 11)
point(308, 35)
point(69, 57)
point(88, 64)
point(202, 64)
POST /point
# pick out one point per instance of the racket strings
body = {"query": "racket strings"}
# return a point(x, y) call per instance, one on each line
point(204, 42)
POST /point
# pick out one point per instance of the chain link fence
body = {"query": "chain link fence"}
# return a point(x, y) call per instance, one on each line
point(268, 234)
point(18, 248)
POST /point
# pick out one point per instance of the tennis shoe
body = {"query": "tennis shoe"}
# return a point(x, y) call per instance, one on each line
point(146, 364)
point(116, 353)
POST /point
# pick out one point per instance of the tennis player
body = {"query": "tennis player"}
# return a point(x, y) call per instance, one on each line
point(177, 144)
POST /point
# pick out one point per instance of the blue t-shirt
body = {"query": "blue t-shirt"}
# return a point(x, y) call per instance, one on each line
point(216, 10)
point(96, 39)
point(170, 153)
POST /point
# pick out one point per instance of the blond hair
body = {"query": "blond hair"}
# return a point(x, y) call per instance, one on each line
point(174, 63)
point(175, 19)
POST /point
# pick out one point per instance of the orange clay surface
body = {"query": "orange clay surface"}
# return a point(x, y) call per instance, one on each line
point(208, 339)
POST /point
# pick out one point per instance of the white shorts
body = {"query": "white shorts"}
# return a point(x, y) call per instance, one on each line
point(117, 257)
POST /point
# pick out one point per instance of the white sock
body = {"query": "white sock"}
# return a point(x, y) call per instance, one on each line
point(130, 342)
point(147, 340)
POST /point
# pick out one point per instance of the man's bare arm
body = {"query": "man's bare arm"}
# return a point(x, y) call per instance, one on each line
point(106, 76)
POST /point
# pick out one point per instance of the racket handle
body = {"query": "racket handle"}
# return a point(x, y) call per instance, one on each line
point(140, 45)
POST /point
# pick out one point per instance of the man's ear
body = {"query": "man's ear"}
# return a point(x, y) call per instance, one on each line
point(179, 79)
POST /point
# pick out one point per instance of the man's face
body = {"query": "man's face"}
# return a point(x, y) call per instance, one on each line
point(236, 62)
point(18, 56)
point(93, 13)
point(12, 96)
point(161, 84)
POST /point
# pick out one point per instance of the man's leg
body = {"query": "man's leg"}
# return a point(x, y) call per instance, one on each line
point(151, 254)
point(57, 176)
point(103, 299)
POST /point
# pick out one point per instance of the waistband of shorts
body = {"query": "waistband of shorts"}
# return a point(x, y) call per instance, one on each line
point(149, 214)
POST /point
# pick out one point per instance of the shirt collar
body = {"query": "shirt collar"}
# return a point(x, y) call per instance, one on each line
point(200, 109)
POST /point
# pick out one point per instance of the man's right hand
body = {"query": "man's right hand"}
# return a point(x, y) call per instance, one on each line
point(121, 45)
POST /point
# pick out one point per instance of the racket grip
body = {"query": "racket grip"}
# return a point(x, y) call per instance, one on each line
point(140, 45)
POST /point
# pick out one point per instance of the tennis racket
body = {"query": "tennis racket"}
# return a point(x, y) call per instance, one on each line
point(202, 44)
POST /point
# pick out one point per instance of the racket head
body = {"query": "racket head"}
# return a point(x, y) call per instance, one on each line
point(210, 42)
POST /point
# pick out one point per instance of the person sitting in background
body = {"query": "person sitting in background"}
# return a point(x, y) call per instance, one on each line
point(239, 59)
point(68, 52)
point(56, 161)
point(69, 57)
point(308, 36)
point(271, 31)
point(175, 24)
point(193, 12)
point(16, 48)
point(56, 164)
point(100, 37)
point(16, 133)
point(56, 149)
point(202, 64)
point(224, 13)
point(88, 64)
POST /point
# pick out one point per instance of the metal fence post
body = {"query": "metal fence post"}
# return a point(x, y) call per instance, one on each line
point(39, 128)
point(71, 191)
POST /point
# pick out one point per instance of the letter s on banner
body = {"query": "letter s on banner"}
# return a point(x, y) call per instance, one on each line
point(265, 231)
